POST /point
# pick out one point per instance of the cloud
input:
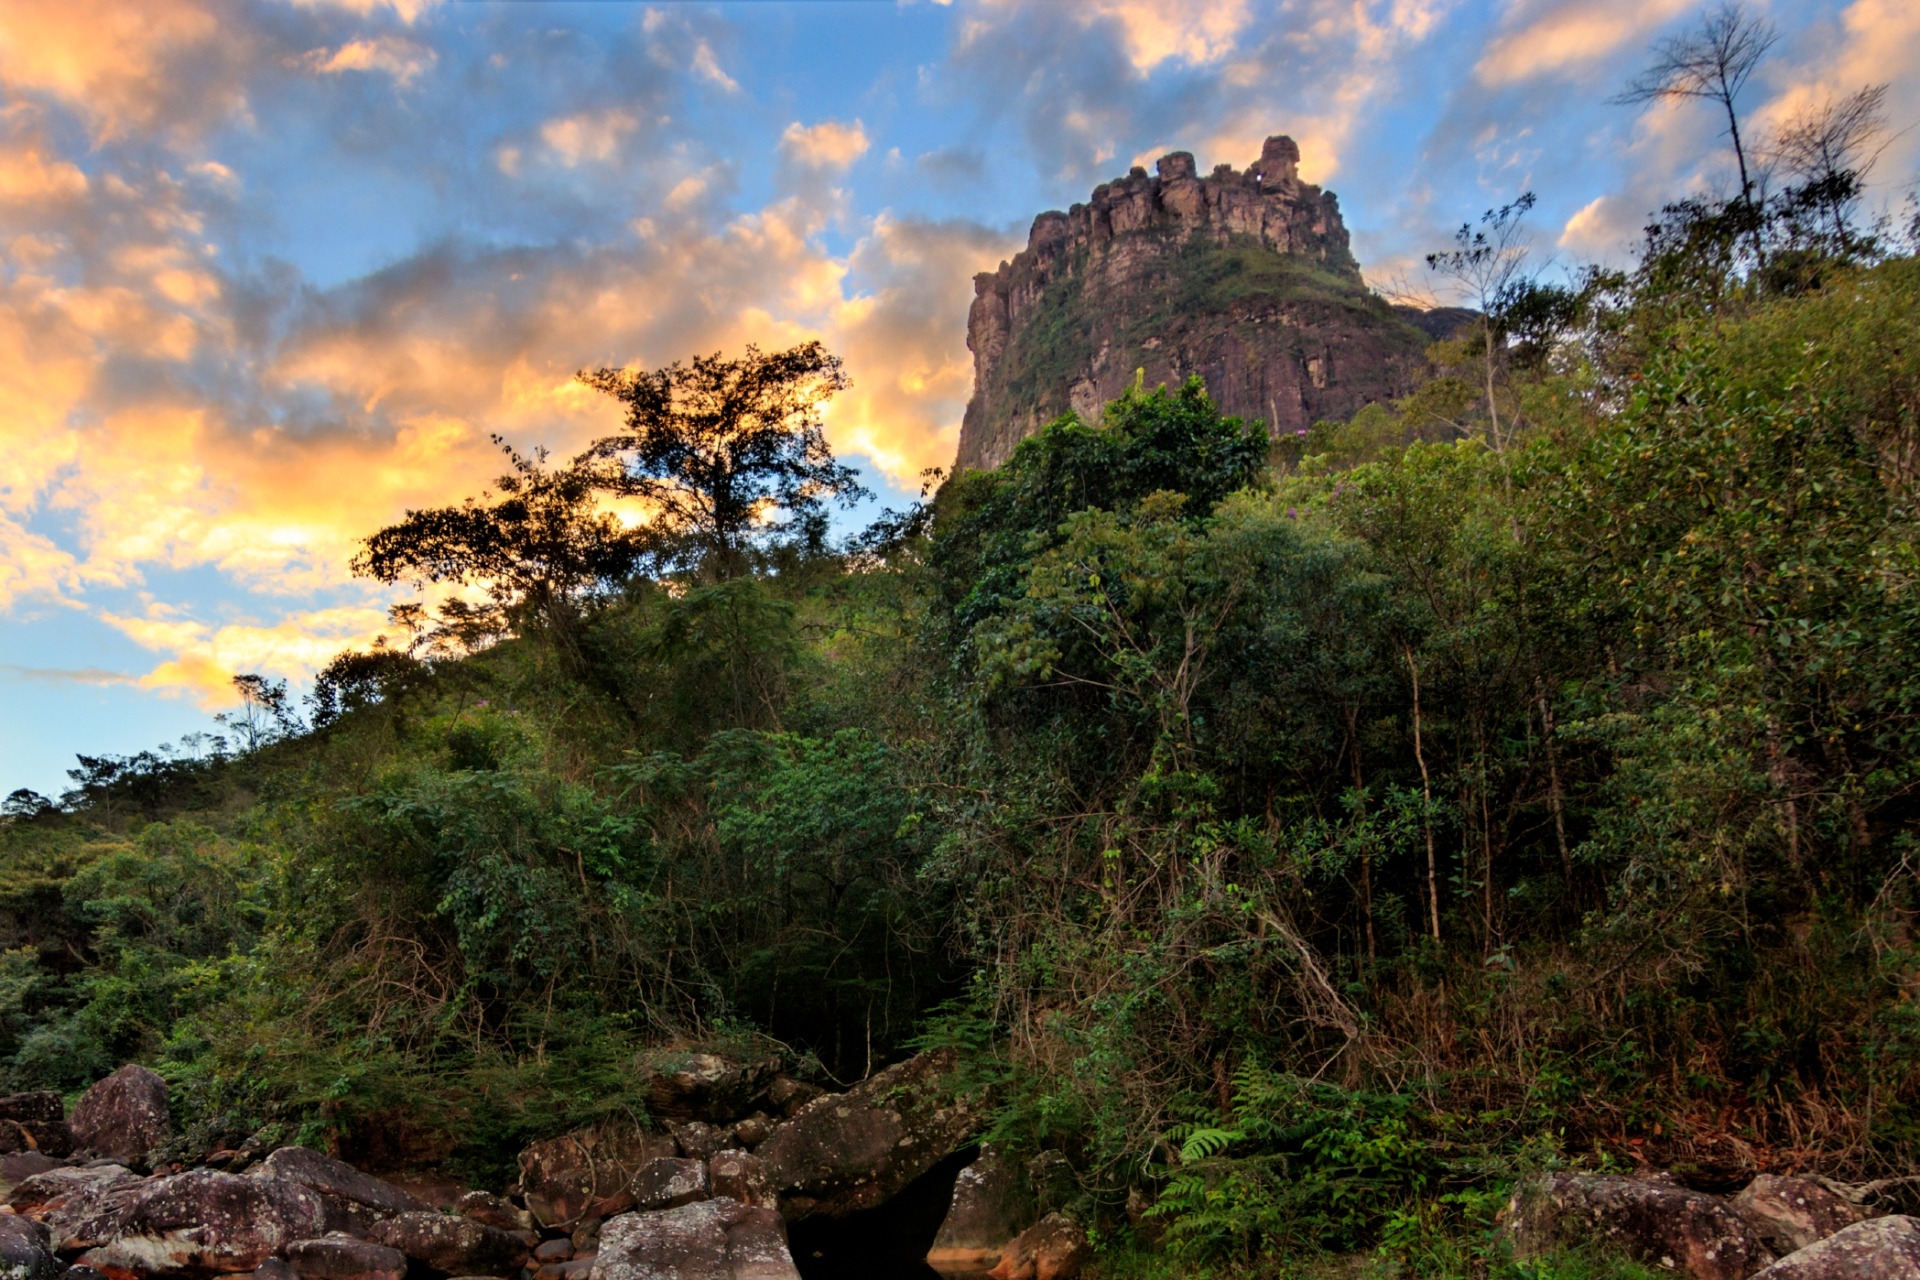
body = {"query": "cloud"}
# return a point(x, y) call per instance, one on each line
point(127, 67)
point(829, 145)
point(1570, 35)
point(66, 675)
point(1151, 31)
point(402, 59)
point(589, 137)
point(204, 658)
point(407, 11)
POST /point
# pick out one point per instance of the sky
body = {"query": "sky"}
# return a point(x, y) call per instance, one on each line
point(273, 273)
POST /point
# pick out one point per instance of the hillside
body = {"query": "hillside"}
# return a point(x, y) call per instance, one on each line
point(1162, 853)
point(1242, 279)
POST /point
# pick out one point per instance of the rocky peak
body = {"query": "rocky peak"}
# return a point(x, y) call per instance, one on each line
point(1177, 274)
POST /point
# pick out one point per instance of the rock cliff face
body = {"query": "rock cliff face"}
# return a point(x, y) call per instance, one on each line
point(1245, 279)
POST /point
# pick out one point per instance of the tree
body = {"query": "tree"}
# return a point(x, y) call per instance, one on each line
point(1825, 147)
point(537, 551)
point(1711, 62)
point(720, 446)
point(265, 714)
point(1489, 264)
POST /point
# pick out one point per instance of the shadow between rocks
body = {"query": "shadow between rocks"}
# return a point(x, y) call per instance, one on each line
point(889, 1242)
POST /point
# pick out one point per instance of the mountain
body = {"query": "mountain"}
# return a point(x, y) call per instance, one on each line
point(1244, 278)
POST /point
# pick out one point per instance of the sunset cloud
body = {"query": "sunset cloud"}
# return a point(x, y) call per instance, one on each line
point(827, 145)
point(402, 59)
point(1571, 34)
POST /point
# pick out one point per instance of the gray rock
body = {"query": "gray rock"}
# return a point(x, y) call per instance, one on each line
point(341, 1257)
point(124, 1116)
point(451, 1244)
point(668, 1183)
point(1668, 1226)
point(586, 1173)
point(195, 1223)
point(25, 1252)
point(851, 1151)
point(707, 1240)
point(64, 1196)
point(705, 1086)
point(993, 1202)
point(354, 1200)
point(1878, 1249)
point(1792, 1213)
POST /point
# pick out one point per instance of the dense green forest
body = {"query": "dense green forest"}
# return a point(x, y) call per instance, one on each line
point(1303, 837)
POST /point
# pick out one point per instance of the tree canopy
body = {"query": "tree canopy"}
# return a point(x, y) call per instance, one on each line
point(724, 447)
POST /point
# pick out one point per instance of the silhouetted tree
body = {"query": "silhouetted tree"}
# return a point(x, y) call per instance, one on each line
point(721, 447)
point(538, 550)
point(1712, 62)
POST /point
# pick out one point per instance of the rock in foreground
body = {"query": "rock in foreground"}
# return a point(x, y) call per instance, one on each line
point(197, 1223)
point(1653, 1222)
point(1879, 1249)
point(124, 1116)
point(709, 1240)
point(1792, 1213)
point(855, 1150)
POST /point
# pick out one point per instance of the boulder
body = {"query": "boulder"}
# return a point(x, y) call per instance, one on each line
point(34, 1122)
point(993, 1202)
point(450, 1244)
point(707, 1240)
point(70, 1194)
point(787, 1095)
point(742, 1176)
point(194, 1224)
point(124, 1116)
point(494, 1211)
point(1655, 1222)
point(698, 1139)
point(25, 1252)
point(1054, 1248)
point(1877, 1249)
point(18, 1166)
point(586, 1173)
point(341, 1257)
point(752, 1131)
point(846, 1152)
point(553, 1251)
point(354, 1200)
point(1792, 1213)
point(668, 1183)
point(705, 1086)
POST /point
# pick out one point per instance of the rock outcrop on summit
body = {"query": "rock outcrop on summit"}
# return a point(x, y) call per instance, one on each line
point(1244, 278)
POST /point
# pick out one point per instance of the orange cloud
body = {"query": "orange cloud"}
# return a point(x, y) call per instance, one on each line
point(1196, 32)
point(827, 145)
point(588, 137)
point(204, 659)
point(110, 61)
point(1570, 34)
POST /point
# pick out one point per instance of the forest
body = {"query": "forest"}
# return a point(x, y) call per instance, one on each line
point(1304, 838)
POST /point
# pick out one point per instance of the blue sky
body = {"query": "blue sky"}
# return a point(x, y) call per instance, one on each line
point(271, 273)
